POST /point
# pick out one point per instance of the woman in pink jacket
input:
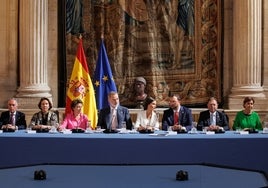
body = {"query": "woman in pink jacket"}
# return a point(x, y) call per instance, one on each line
point(76, 119)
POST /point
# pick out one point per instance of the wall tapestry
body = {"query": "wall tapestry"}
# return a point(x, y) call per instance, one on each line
point(174, 44)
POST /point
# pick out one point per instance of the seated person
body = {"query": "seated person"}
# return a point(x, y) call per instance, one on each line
point(76, 119)
point(45, 118)
point(177, 117)
point(12, 119)
point(111, 118)
point(212, 119)
point(247, 119)
point(147, 118)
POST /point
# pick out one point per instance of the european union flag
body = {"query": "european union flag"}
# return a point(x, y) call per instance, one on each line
point(103, 79)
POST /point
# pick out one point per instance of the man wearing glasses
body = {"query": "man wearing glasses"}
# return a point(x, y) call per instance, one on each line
point(12, 119)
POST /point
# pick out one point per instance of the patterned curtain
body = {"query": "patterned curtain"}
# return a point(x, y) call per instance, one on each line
point(174, 44)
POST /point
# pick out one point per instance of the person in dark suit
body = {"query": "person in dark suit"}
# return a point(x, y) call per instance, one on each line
point(212, 119)
point(177, 117)
point(113, 116)
point(12, 119)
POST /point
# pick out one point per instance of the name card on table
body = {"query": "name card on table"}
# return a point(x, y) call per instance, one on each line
point(171, 133)
point(67, 131)
point(30, 131)
point(243, 132)
point(210, 132)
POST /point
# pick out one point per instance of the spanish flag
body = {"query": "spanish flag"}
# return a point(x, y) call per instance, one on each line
point(80, 86)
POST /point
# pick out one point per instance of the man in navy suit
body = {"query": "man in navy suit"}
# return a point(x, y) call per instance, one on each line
point(177, 117)
point(212, 119)
point(12, 119)
point(113, 116)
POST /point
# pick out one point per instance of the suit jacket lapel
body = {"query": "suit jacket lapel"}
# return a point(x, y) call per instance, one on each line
point(119, 114)
point(108, 117)
point(217, 118)
point(171, 117)
point(17, 116)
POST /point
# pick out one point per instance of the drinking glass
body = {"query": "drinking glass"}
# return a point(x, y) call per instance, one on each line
point(53, 126)
point(238, 129)
point(29, 127)
point(98, 129)
point(194, 124)
point(204, 130)
point(193, 130)
point(265, 127)
point(89, 126)
point(124, 126)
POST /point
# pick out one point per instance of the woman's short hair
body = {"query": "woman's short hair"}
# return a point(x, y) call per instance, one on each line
point(75, 102)
point(45, 99)
point(247, 99)
point(148, 101)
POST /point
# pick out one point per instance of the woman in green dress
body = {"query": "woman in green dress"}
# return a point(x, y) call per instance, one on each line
point(247, 119)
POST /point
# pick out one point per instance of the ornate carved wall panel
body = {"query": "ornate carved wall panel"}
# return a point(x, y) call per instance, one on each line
point(174, 44)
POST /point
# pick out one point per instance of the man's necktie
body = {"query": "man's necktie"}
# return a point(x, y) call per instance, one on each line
point(212, 119)
point(12, 118)
point(176, 118)
point(114, 119)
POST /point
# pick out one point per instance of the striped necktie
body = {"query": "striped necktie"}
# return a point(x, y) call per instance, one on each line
point(12, 118)
point(114, 119)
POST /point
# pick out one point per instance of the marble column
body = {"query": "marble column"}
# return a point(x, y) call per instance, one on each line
point(247, 38)
point(265, 46)
point(33, 28)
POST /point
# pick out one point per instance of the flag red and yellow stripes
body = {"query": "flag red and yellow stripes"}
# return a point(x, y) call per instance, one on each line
point(80, 86)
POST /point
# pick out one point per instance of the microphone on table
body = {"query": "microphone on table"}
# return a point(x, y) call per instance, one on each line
point(40, 175)
point(182, 175)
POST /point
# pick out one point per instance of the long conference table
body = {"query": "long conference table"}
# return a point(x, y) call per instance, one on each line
point(229, 149)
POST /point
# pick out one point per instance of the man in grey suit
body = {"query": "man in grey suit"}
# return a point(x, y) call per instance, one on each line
point(112, 117)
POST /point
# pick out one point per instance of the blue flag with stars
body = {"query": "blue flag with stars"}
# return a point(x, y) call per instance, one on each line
point(103, 79)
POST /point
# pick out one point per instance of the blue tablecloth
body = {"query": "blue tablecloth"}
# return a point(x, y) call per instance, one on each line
point(130, 176)
point(228, 149)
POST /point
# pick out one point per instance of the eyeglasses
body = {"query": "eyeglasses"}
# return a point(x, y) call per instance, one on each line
point(11, 104)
